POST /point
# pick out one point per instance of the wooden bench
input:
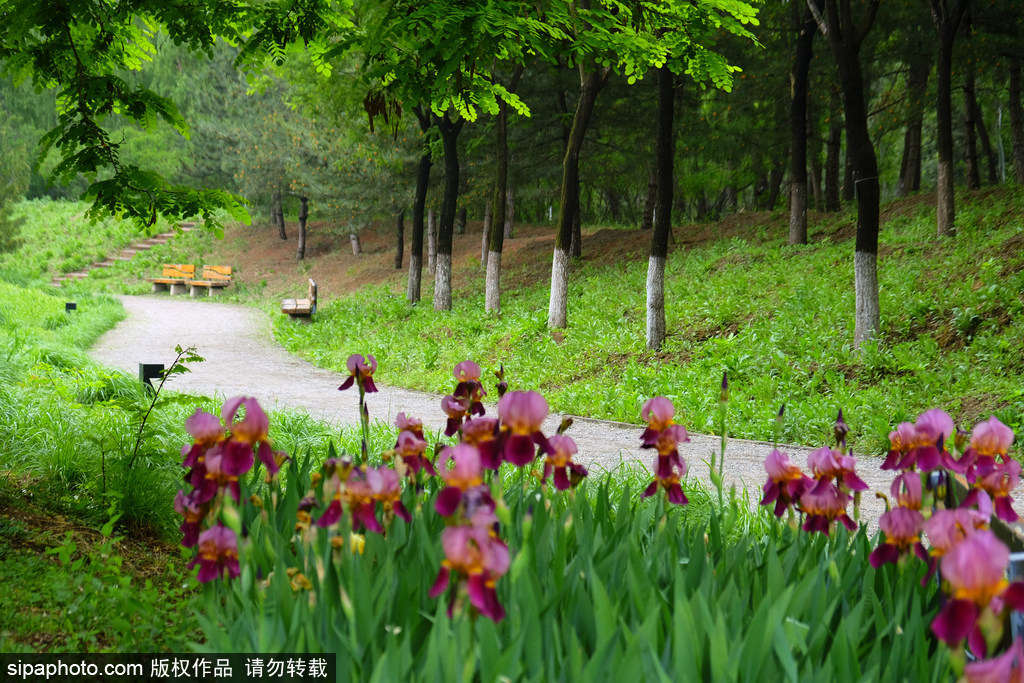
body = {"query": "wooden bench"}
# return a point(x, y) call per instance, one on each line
point(174, 277)
point(214, 279)
point(301, 309)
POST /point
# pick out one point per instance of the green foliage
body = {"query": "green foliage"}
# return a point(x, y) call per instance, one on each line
point(600, 586)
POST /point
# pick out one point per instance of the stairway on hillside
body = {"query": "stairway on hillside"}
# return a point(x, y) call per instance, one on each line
point(124, 255)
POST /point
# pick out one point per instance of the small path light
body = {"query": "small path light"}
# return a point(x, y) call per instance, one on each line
point(150, 371)
point(70, 306)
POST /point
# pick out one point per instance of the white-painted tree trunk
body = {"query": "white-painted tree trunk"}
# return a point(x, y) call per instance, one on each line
point(443, 282)
point(431, 241)
point(412, 290)
point(559, 304)
point(354, 239)
point(492, 288)
point(865, 280)
point(655, 302)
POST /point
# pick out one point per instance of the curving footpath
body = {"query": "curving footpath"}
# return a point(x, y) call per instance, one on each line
point(242, 358)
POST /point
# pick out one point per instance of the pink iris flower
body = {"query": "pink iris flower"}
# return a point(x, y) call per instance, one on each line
point(409, 424)
point(658, 413)
point(991, 437)
point(467, 374)
point(1006, 668)
point(188, 507)
point(412, 449)
point(786, 482)
point(461, 471)
point(826, 463)
point(998, 480)
point(360, 372)
point(923, 444)
point(456, 410)
point(249, 432)
point(482, 432)
point(560, 462)
point(974, 568)
point(218, 553)
point(480, 560)
point(902, 528)
point(521, 414)
point(825, 504)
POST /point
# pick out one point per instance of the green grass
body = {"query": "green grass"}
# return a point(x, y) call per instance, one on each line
point(777, 319)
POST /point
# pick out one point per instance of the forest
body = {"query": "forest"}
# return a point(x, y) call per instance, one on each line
point(641, 114)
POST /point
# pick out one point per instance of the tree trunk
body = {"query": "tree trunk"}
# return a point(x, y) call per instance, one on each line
point(1016, 120)
point(775, 177)
point(910, 167)
point(665, 160)
point(277, 214)
point(991, 158)
point(849, 187)
point(970, 133)
point(486, 238)
point(502, 214)
point(300, 253)
point(460, 222)
point(946, 20)
point(798, 126)
point(845, 37)
point(431, 241)
point(446, 226)
point(353, 238)
point(835, 137)
point(412, 293)
point(814, 160)
point(510, 213)
point(568, 205)
point(652, 195)
point(399, 238)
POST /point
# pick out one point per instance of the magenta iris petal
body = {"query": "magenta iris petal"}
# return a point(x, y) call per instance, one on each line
point(347, 383)
point(650, 490)
point(266, 456)
point(885, 552)
point(237, 458)
point(519, 450)
point(331, 515)
point(441, 583)
point(448, 501)
point(561, 478)
point(400, 510)
point(955, 621)
point(676, 495)
point(484, 598)
point(1004, 509)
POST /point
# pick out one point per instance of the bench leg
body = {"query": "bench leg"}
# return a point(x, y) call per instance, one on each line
point(159, 287)
point(177, 288)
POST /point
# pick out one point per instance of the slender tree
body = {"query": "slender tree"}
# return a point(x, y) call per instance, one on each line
point(806, 28)
point(496, 239)
point(946, 16)
point(846, 34)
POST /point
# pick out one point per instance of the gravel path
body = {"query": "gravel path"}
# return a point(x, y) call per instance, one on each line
point(242, 358)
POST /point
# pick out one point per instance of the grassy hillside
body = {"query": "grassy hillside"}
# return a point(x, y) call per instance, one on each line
point(778, 319)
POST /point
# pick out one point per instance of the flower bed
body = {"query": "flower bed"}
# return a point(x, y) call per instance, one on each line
point(495, 559)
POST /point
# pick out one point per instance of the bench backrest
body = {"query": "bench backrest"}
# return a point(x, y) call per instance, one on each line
point(216, 272)
point(180, 270)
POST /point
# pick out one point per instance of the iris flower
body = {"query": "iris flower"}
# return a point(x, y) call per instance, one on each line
point(218, 553)
point(360, 372)
point(786, 482)
point(521, 414)
point(560, 462)
point(477, 558)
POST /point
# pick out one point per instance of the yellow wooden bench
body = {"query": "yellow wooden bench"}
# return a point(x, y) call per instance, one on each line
point(301, 309)
point(214, 279)
point(175, 277)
